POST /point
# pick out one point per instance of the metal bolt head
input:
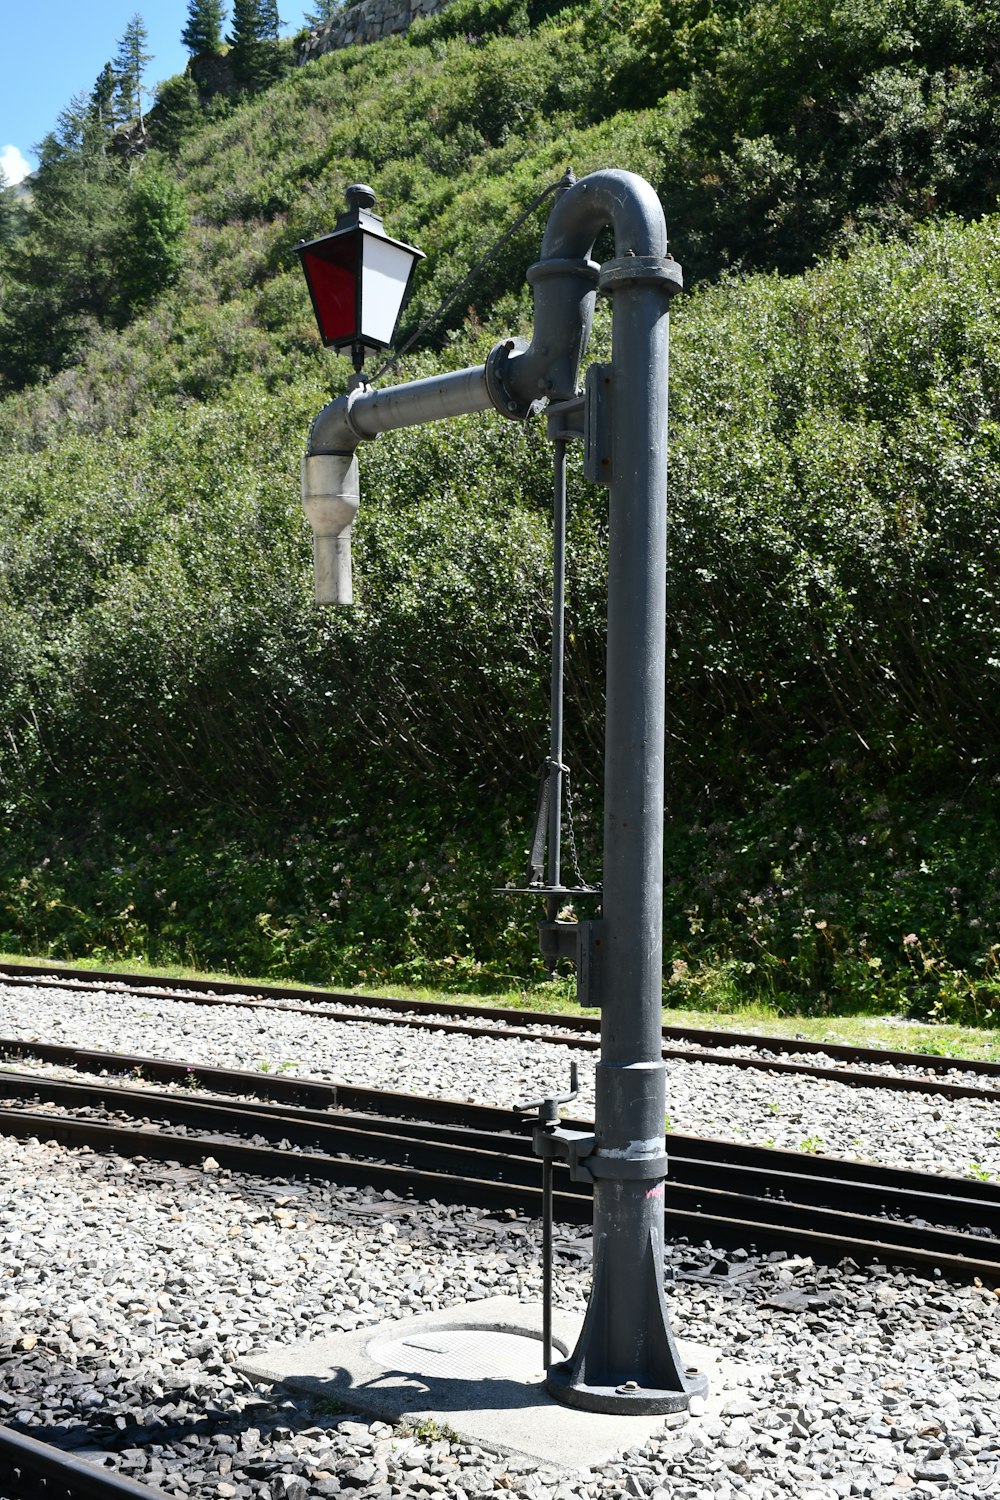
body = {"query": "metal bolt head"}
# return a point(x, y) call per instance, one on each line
point(628, 1388)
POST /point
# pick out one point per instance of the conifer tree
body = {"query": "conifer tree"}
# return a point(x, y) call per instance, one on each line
point(203, 33)
point(254, 42)
point(323, 13)
point(102, 97)
point(7, 210)
point(130, 64)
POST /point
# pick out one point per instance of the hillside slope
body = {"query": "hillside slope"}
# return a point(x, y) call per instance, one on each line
point(195, 764)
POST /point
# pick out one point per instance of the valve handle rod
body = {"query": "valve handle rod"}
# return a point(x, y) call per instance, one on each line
point(546, 1262)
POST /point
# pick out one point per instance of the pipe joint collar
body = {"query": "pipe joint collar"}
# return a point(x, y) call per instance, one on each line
point(586, 270)
point(641, 270)
point(603, 1168)
point(500, 387)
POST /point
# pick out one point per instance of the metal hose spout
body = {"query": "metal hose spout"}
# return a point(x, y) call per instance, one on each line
point(330, 497)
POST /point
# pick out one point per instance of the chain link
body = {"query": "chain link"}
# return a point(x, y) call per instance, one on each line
point(571, 831)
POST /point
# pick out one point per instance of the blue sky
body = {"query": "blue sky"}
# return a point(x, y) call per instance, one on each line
point(49, 54)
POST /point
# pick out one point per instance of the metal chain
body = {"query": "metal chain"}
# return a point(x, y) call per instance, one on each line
point(571, 831)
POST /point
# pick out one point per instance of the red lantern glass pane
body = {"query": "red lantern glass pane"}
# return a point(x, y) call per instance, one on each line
point(331, 270)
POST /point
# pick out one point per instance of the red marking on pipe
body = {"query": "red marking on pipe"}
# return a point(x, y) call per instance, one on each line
point(656, 1192)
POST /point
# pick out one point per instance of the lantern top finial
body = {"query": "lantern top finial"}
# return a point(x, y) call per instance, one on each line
point(360, 195)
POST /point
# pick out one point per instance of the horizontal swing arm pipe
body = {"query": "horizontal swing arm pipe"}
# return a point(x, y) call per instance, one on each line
point(565, 281)
point(365, 412)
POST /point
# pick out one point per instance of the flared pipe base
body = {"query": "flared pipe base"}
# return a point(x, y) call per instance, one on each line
point(621, 1400)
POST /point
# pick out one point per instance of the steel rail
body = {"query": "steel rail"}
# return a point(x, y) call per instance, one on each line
point(39, 1469)
point(312, 1100)
point(696, 1212)
point(695, 1160)
point(766, 1197)
point(569, 1031)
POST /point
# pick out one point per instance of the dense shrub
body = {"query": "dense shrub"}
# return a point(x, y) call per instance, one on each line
point(196, 764)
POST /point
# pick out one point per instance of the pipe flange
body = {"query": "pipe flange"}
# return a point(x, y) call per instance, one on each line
point(587, 270)
point(498, 387)
point(642, 270)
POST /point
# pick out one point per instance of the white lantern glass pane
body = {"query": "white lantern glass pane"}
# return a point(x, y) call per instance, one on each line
point(385, 271)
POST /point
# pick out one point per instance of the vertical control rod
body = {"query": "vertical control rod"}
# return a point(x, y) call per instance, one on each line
point(546, 1262)
point(554, 863)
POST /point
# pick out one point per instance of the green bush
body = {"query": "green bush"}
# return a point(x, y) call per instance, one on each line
point(196, 764)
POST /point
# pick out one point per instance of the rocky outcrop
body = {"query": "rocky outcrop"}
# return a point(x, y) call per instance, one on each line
point(366, 21)
point(213, 73)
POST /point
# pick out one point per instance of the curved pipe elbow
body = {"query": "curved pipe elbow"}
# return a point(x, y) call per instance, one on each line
point(565, 282)
point(622, 200)
point(332, 430)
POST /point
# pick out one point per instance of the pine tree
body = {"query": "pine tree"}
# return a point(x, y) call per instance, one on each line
point(254, 42)
point(7, 210)
point(203, 33)
point(130, 64)
point(323, 13)
point(254, 21)
point(102, 97)
point(270, 20)
point(59, 273)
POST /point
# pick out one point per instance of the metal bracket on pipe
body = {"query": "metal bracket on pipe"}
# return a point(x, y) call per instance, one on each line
point(597, 425)
point(564, 420)
point(578, 1146)
point(557, 940)
point(572, 1146)
point(583, 943)
point(590, 964)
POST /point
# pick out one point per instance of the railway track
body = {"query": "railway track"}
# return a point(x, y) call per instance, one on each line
point(731, 1194)
point(29, 1468)
point(861, 1067)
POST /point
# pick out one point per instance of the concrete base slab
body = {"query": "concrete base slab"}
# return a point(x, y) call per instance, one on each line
point(477, 1370)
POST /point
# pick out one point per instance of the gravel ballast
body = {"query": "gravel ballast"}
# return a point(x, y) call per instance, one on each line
point(130, 1289)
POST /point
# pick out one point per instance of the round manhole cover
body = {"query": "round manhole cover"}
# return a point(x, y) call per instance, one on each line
point(462, 1354)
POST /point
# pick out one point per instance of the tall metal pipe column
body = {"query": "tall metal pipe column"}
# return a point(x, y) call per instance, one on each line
point(626, 1359)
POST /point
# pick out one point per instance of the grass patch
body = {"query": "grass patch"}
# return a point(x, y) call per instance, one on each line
point(555, 998)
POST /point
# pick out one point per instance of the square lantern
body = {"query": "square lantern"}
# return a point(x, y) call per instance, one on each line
point(357, 278)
